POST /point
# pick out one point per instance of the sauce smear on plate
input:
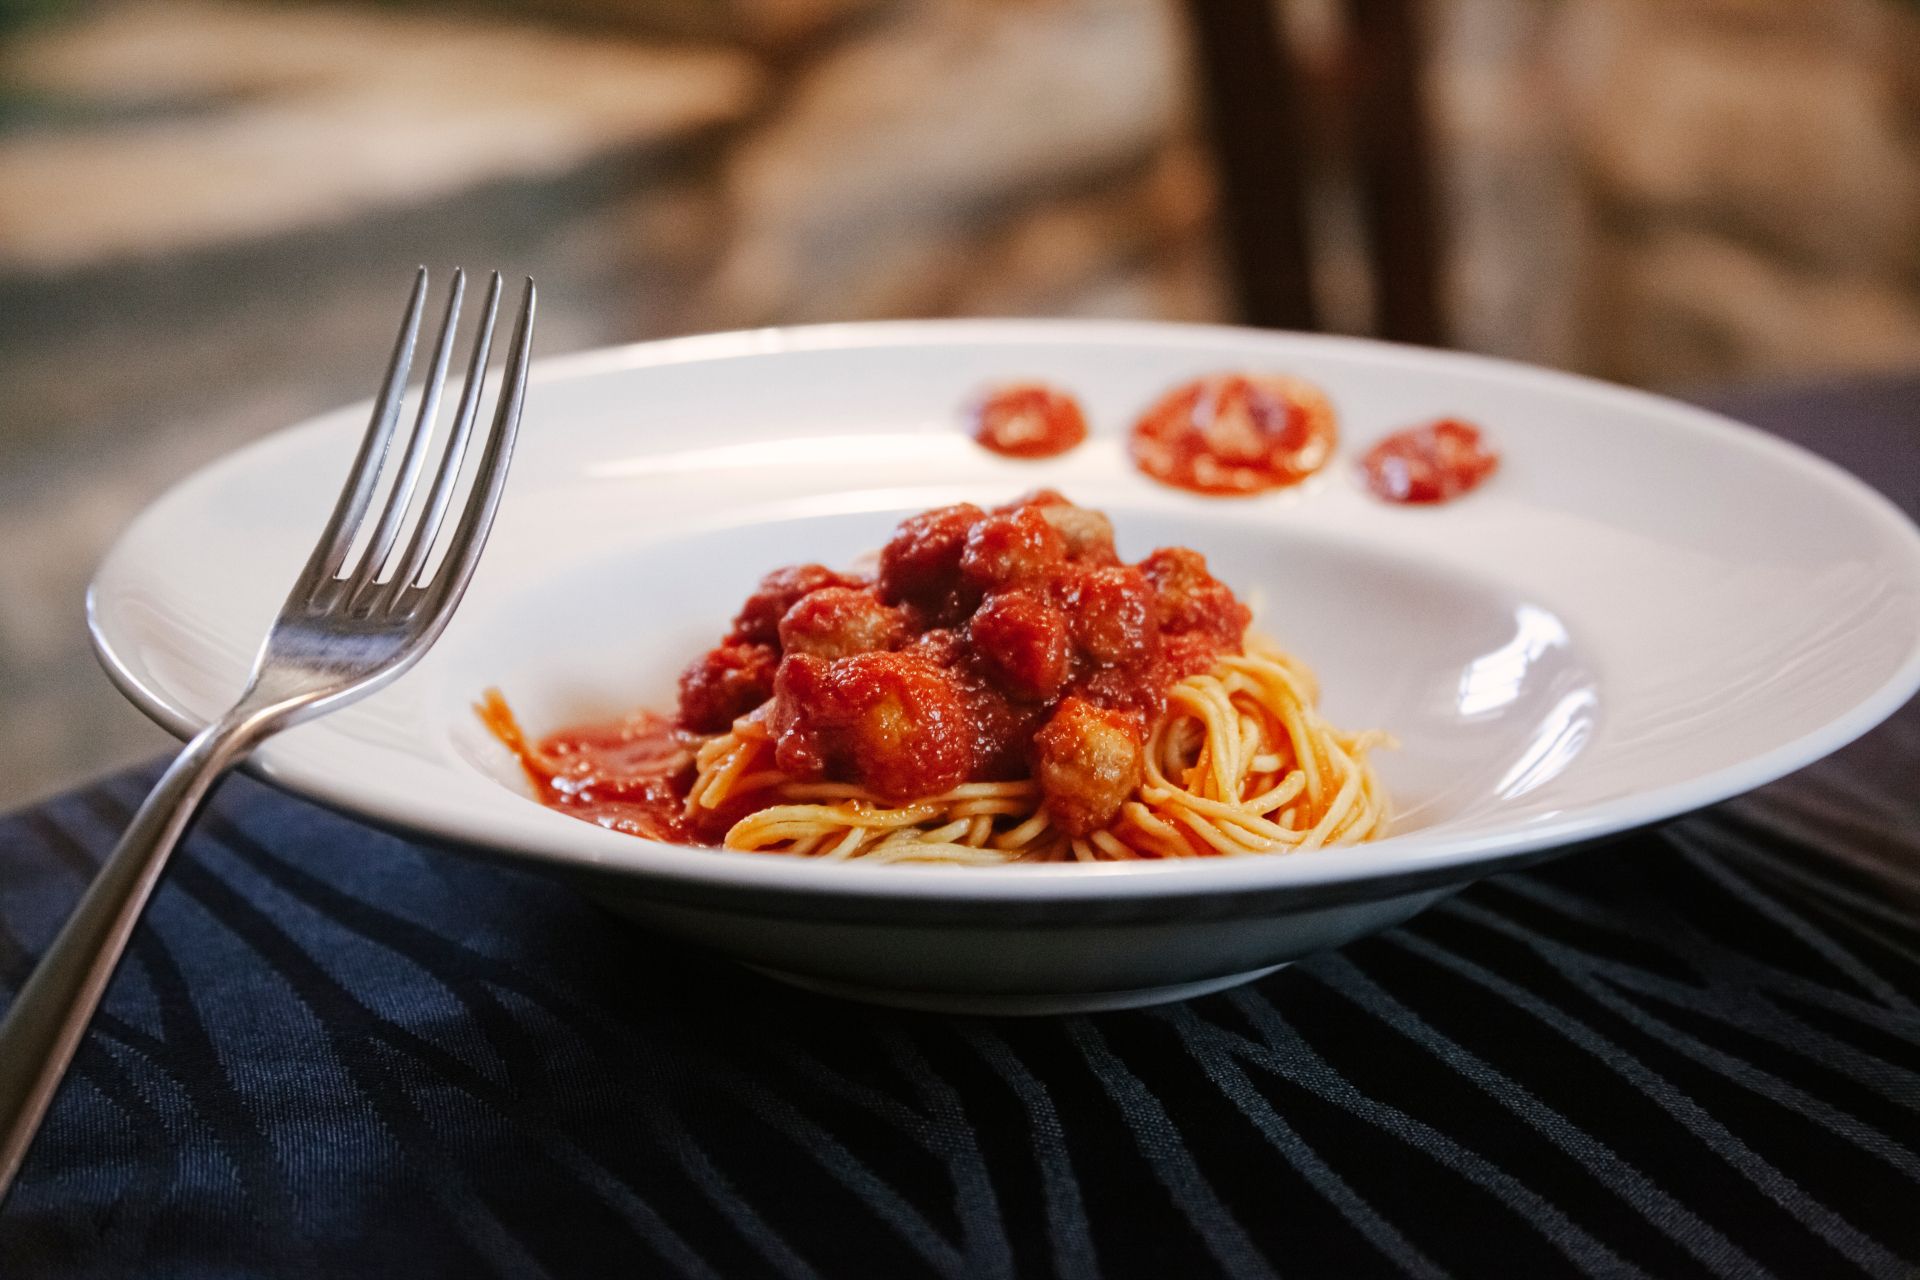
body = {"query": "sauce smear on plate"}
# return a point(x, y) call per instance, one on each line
point(1029, 421)
point(1429, 464)
point(1231, 434)
point(627, 775)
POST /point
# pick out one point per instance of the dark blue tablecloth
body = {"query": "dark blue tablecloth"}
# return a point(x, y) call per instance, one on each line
point(1696, 1051)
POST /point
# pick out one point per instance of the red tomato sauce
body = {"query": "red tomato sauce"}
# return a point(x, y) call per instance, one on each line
point(1433, 463)
point(1028, 421)
point(989, 646)
point(1234, 434)
point(626, 775)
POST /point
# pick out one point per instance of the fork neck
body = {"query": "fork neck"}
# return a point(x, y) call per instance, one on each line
point(223, 743)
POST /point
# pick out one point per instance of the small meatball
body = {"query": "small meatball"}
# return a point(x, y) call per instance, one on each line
point(758, 621)
point(1088, 761)
point(838, 622)
point(802, 716)
point(1009, 547)
point(1189, 599)
point(1021, 641)
point(1037, 498)
point(1113, 615)
point(891, 722)
point(942, 646)
point(1177, 573)
point(921, 562)
point(729, 681)
point(1003, 731)
point(1087, 533)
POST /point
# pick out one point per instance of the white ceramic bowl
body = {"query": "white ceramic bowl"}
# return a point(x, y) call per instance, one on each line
point(1648, 609)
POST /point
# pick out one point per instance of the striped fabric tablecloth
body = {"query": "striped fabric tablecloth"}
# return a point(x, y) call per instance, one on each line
point(332, 1053)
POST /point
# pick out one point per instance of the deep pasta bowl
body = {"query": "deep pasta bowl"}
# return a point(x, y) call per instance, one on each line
point(1646, 610)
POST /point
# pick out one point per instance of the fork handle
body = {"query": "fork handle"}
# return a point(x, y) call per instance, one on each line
point(49, 1017)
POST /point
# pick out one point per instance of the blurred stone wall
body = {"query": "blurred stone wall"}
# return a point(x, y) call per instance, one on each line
point(956, 157)
point(1750, 171)
point(1661, 191)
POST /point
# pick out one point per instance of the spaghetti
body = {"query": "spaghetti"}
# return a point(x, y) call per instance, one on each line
point(1241, 763)
point(1004, 690)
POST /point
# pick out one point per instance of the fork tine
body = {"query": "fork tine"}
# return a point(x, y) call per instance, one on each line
point(387, 531)
point(420, 546)
point(330, 552)
point(450, 581)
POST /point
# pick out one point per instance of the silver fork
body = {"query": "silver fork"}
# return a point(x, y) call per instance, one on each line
point(346, 629)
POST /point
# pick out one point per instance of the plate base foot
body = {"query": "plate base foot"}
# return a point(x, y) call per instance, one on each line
point(1013, 1004)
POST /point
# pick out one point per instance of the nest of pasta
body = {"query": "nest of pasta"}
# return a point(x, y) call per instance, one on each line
point(1002, 688)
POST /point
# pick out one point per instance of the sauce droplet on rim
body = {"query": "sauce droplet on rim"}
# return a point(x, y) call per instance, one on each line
point(1236, 434)
point(1028, 420)
point(1429, 464)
